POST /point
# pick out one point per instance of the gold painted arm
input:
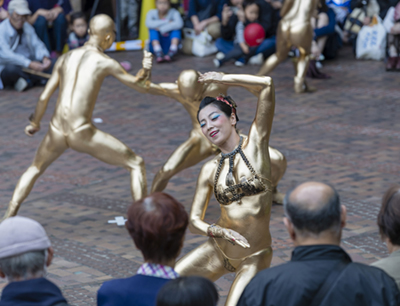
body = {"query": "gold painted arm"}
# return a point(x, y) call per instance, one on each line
point(200, 202)
point(44, 98)
point(170, 90)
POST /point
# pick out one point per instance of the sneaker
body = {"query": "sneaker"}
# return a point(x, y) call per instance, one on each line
point(167, 58)
point(239, 64)
point(256, 59)
point(159, 59)
point(216, 62)
point(21, 85)
point(219, 55)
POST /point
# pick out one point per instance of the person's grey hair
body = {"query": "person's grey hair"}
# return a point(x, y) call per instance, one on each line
point(307, 221)
point(25, 266)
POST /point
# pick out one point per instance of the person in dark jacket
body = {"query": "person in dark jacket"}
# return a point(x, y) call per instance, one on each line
point(157, 224)
point(320, 271)
point(25, 252)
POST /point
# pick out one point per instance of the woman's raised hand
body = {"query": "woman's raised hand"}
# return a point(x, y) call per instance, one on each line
point(210, 77)
point(235, 238)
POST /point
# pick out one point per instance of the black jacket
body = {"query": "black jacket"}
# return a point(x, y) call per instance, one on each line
point(295, 283)
point(268, 18)
point(33, 292)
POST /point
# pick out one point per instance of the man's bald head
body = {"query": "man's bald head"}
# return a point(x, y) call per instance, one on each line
point(101, 25)
point(313, 207)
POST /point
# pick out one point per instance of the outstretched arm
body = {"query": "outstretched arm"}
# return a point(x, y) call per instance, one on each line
point(263, 86)
point(41, 106)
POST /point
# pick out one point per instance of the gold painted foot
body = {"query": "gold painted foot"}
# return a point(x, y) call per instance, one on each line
point(300, 86)
point(277, 197)
point(11, 210)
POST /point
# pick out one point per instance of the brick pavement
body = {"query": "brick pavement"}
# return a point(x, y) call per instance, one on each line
point(347, 133)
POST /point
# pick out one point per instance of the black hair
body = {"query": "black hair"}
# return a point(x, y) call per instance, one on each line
point(317, 220)
point(322, 6)
point(250, 2)
point(389, 215)
point(223, 103)
point(77, 15)
point(188, 291)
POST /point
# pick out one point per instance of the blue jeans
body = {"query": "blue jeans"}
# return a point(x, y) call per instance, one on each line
point(267, 47)
point(164, 40)
point(55, 37)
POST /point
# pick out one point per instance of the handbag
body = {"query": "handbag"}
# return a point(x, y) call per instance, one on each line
point(355, 21)
point(202, 43)
point(371, 41)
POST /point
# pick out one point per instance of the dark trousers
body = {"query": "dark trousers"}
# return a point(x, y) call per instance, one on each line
point(11, 74)
point(53, 37)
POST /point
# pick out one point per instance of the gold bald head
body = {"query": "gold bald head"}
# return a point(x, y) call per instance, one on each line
point(188, 85)
point(102, 29)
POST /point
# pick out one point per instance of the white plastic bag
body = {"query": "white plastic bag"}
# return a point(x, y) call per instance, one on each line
point(371, 42)
point(202, 43)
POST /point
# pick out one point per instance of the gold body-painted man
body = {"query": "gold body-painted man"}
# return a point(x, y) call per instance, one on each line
point(245, 218)
point(294, 29)
point(79, 75)
point(189, 92)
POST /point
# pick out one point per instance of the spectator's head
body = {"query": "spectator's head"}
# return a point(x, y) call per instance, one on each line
point(313, 214)
point(236, 2)
point(157, 224)
point(102, 31)
point(18, 11)
point(78, 24)
point(218, 118)
point(389, 218)
point(25, 249)
point(188, 291)
point(251, 11)
point(163, 6)
point(188, 85)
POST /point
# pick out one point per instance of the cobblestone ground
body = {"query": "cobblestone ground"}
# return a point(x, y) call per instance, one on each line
point(347, 134)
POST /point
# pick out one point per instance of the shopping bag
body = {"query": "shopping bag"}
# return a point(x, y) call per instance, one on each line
point(371, 41)
point(202, 43)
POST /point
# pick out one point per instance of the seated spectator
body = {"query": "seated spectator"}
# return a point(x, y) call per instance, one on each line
point(341, 9)
point(20, 48)
point(205, 15)
point(25, 252)
point(234, 13)
point(389, 227)
point(50, 23)
point(3, 9)
point(79, 31)
point(157, 225)
point(188, 291)
point(164, 24)
point(320, 271)
point(241, 51)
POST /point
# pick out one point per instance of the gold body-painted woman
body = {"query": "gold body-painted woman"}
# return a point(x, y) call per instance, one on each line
point(189, 92)
point(240, 179)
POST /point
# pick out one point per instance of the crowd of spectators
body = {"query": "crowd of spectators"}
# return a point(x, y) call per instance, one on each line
point(320, 272)
point(219, 24)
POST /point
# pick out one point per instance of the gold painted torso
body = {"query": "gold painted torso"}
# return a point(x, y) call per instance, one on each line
point(249, 216)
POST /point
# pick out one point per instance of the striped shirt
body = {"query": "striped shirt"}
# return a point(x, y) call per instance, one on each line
point(157, 270)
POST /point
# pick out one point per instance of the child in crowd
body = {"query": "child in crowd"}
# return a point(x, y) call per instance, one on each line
point(79, 35)
point(79, 31)
point(164, 24)
point(241, 51)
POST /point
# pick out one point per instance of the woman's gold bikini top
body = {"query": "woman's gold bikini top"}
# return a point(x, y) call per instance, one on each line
point(246, 187)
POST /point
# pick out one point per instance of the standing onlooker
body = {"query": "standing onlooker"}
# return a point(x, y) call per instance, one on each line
point(20, 48)
point(79, 31)
point(25, 253)
point(157, 224)
point(129, 11)
point(389, 227)
point(50, 23)
point(320, 271)
point(3, 9)
point(188, 291)
point(393, 44)
point(164, 24)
